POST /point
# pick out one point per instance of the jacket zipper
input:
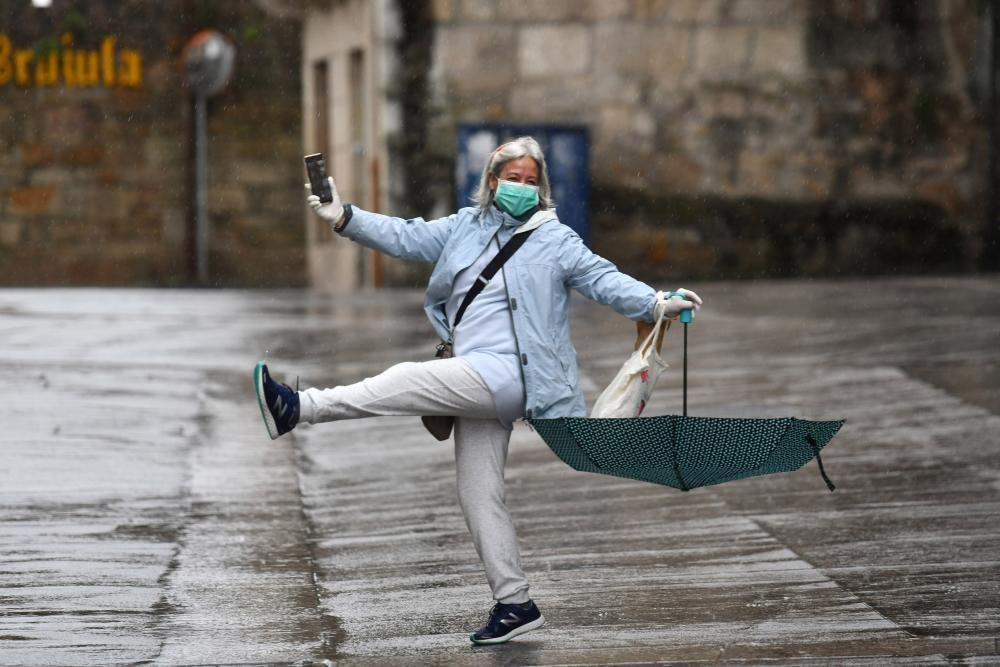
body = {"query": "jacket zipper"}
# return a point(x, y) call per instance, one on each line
point(521, 357)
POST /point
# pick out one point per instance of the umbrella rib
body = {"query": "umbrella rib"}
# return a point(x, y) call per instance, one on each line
point(673, 459)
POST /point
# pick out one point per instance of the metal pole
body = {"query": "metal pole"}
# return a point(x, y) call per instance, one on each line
point(685, 369)
point(201, 186)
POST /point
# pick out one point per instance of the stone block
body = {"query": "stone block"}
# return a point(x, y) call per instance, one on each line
point(66, 125)
point(681, 11)
point(613, 123)
point(603, 10)
point(651, 53)
point(36, 155)
point(644, 124)
point(10, 233)
point(256, 172)
point(943, 193)
point(780, 51)
point(557, 50)
point(789, 108)
point(165, 150)
point(174, 226)
point(730, 102)
point(534, 11)
point(79, 200)
point(563, 99)
point(477, 51)
point(680, 172)
point(483, 90)
point(82, 155)
point(614, 88)
point(759, 173)
point(721, 52)
point(443, 10)
point(33, 200)
point(226, 198)
point(476, 104)
point(652, 9)
point(868, 183)
point(811, 173)
point(771, 12)
point(478, 10)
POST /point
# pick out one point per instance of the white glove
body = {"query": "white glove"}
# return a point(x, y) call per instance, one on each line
point(332, 212)
point(672, 306)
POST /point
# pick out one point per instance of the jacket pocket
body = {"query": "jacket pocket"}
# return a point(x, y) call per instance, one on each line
point(562, 354)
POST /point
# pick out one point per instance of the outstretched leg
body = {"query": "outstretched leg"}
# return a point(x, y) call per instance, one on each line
point(438, 387)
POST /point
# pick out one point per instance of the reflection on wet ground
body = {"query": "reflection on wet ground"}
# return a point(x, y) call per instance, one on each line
point(146, 518)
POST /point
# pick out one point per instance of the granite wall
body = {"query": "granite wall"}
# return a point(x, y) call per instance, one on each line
point(719, 126)
point(94, 149)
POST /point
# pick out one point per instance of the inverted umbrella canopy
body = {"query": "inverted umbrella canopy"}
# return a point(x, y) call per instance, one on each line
point(687, 452)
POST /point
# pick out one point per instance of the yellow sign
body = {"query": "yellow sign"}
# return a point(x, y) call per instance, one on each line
point(74, 68)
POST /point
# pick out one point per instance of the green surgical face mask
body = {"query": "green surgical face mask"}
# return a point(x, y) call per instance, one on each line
point(516, 199)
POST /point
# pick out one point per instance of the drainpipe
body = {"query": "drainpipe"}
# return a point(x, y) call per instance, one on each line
point(990, 257)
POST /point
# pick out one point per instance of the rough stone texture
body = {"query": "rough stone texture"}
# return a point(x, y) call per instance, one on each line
point(643, 52)
point(607, 9)
point(443, 10)
point(551, 51)
point(93, 180)
point(779, 51)
point(533, 12)
point(467, 53)
point(796, 101)
point(479, 10)
point(721, 52)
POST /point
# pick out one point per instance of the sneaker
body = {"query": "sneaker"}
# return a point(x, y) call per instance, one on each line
point(279, 403)
point(508, 621)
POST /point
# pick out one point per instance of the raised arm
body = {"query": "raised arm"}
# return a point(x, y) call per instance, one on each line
point(415, 239)
point(600, 280)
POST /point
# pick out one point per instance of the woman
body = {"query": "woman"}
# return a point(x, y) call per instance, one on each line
point(513, 355)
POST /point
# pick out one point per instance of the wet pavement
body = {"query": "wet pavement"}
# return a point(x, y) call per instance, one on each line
point(145, 517)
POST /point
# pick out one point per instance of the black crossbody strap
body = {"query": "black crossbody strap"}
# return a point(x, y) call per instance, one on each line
point(491, 269)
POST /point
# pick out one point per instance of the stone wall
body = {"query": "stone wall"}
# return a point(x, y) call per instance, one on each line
point(94, 177)
point(854, 106)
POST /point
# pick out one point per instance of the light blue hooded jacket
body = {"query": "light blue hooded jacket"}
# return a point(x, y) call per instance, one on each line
point(538, 276)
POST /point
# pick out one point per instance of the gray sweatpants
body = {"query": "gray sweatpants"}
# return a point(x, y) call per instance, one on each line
point(446, 387)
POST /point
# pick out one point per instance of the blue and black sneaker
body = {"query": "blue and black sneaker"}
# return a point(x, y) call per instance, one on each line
point(508, 621)
point(279, 403)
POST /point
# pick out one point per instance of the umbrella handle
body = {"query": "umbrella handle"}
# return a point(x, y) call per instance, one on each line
point(686, 315)
point(685, 370)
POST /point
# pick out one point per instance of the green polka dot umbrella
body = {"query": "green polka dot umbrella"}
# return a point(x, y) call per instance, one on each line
point(687, 452)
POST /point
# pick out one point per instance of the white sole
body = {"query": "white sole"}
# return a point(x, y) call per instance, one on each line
point(527, 627)
point(258, 385)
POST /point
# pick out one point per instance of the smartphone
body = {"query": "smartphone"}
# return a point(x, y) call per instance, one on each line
point(318, 181)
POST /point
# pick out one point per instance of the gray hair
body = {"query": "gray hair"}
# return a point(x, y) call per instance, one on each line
point(513, 150)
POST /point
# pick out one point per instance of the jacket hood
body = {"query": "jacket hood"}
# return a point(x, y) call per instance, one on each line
point(537, 220)
point(506, 220)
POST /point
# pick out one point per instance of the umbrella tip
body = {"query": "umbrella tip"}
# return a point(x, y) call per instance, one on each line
point(819, 460)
